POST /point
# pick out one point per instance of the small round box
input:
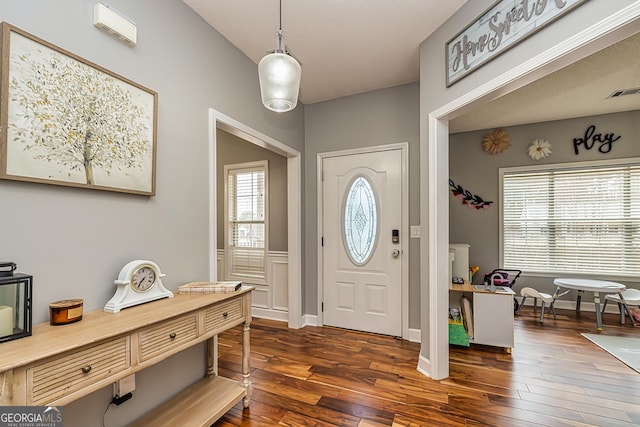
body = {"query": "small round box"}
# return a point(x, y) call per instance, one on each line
point(65, 311)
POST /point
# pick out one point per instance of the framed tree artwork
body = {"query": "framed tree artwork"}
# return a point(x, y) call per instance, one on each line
point(67, 121)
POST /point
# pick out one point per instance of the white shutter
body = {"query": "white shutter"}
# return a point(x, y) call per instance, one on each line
point(246, 220)
point(581, 218)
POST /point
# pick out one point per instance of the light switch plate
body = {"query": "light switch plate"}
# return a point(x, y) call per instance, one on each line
point(415, 231)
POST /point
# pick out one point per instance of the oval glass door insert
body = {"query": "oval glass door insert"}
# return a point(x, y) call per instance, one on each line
point(360, 220)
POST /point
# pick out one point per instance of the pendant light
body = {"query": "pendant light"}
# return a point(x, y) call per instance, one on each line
point(279, 75)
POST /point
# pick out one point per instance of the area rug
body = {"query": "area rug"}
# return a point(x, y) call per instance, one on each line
point(625, 349)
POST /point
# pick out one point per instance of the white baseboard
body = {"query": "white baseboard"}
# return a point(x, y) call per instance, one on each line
point(571, 305)
point(424, 366)
point(414, 335)
point(264, 313)
point(309, 320)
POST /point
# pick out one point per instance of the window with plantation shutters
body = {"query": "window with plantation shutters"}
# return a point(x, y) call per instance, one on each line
point(581, 218)
point(246, 220)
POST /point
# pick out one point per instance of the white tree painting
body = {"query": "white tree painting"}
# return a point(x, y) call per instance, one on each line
point(72, 122)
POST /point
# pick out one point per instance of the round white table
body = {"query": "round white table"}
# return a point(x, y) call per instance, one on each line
point(590, 285)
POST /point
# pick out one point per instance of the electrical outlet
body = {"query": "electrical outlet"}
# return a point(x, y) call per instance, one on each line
point(125, 385)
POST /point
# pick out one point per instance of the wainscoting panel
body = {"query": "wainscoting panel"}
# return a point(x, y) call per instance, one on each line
point(270, 300)
point(278, 273)
point(260, 295)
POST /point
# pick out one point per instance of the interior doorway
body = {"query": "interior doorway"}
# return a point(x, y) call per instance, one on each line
point(435, 157)
point(220, 121)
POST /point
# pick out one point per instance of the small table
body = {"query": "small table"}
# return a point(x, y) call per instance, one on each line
point(591, 285)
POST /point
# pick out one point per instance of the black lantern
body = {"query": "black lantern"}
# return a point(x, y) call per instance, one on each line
point(15, 303)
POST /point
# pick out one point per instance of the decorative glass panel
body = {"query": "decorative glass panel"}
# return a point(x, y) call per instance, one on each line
point(360, 221)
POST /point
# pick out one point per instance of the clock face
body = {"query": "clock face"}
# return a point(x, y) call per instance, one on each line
point(143, 279)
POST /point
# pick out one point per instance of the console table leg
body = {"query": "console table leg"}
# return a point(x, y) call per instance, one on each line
point(212, 356)
point(6, 388)
point(246, 352)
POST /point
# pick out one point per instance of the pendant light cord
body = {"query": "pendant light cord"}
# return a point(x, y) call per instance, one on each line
point(280, 49)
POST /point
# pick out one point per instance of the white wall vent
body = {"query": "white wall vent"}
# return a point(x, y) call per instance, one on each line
point(114, 23)
point(623, 92)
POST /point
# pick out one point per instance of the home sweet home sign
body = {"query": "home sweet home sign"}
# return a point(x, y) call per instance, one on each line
point(501, 27)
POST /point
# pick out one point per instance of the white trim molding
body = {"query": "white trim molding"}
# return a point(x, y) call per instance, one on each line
point(309, 320)
point(294, 205)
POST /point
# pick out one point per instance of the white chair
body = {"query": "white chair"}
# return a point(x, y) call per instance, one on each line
point(631, 297)
point(536, 295)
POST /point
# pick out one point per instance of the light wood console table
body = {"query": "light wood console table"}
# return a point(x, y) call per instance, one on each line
point(59, 364)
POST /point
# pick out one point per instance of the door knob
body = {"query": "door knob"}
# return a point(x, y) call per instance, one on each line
point(395, 253)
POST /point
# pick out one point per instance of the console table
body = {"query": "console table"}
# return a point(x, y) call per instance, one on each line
point(59, 364)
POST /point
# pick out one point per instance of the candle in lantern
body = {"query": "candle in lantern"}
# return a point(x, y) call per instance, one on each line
point(6, 320)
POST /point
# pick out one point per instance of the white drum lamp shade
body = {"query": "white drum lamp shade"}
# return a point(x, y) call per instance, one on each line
point(279, 75)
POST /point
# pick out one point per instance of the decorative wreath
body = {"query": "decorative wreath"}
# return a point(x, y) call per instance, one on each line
point(471, 200)
point(495, 142)
point(539, 149)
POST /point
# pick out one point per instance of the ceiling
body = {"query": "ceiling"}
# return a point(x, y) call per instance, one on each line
point(353, 46)
point(579, 90)
point(345, 46)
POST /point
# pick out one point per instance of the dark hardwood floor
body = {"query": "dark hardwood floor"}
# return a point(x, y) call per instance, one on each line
point(321, 376)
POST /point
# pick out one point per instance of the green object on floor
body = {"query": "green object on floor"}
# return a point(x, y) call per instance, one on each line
point(458, 334)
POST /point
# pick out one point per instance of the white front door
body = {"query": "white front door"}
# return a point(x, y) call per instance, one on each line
point(362, 257)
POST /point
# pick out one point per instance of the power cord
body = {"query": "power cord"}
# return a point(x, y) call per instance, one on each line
point(105, 413)
point(116, 401)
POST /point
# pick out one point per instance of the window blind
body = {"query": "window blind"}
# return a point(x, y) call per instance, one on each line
point(582, 219)
point(246, 221)
point(246, 208)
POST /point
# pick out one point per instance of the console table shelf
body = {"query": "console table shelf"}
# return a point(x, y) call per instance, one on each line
point(59, 364)
point(201, 404)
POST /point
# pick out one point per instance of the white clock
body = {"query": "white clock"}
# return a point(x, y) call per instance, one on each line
point(138, 282)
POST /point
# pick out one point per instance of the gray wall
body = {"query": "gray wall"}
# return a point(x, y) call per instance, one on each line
point(75, 241)
point(374, 118)
point(232, 149)
point(477, 171)
point(434, 94)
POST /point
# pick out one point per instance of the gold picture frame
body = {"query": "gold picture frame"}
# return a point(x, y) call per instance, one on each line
point(67, 121)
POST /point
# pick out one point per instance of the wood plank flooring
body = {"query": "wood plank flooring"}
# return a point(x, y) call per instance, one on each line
point(321, 376)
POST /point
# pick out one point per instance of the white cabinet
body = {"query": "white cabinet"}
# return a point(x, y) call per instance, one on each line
point(493, 319)
point(492, 314)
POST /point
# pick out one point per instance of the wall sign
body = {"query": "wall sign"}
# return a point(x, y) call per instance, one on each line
point(591, 138)
point(501, 27)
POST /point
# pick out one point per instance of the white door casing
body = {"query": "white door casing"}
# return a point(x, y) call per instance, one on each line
point(434, 169)
point(294, 206)
point(363, 291)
